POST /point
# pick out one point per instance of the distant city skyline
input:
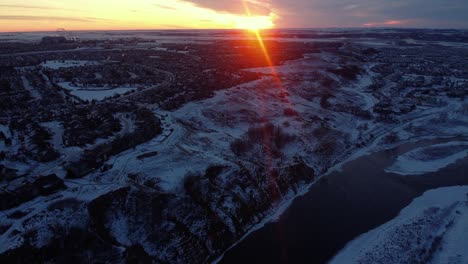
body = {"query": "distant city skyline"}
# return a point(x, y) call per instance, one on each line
point(49, 15)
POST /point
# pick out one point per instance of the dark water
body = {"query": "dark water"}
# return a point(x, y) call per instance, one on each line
point(342, 206)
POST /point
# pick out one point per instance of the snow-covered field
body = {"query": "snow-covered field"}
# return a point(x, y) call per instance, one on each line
point(199, 135)
point(432, 229)
point(429, 159)
point(95, 94)
point(55, 65)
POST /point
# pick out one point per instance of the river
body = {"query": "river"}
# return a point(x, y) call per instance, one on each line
point(341, 206)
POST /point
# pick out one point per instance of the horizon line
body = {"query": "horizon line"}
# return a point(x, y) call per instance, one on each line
point(238, 29)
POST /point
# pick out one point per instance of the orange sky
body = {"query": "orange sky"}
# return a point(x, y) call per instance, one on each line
point(50, 15)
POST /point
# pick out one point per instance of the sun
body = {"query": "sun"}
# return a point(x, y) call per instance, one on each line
point(254, 23)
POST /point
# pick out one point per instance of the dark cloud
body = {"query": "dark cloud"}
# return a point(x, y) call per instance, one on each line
point(352, 13)
point(424, 13)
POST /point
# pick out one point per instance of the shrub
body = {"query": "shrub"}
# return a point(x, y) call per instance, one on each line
point(391, 138)
point(290, 112)
point(239, 146)
point(349, 72)
point(190, 182)
point(214, 171)
point(267, 135)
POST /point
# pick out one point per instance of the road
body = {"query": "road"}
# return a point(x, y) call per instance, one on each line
point(127, 122)
point(27, 85)
point(170, 78)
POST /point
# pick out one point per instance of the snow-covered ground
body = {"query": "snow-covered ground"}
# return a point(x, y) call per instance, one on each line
point(429, 159)
point(128, 123)
point(6, 131)
point(432, 229)
point(11, 135)
point(27, 85)
point(97, 93)
point(199, 134)
point(55, 65)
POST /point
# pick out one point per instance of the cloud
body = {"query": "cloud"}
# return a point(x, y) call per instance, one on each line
point(295, 13)
point(351, 6)
point(238, 7)
point(46, 18)
point(165, 7)
point(350, 13)
point(168, 26)
point(36, 7)
point(388, 23)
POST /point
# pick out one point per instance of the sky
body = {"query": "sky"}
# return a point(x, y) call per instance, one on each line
point(49, 15)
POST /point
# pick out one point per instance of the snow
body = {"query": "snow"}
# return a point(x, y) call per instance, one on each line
point(119, 227)
point(171, 167)
point(55, 65)
point(27, 85)
point(43, 222)
point(455, 243)
point(127, 122)
point(5, 130)
point(94, 94)
point(197, 135)
point(429, 159)
point(440, 213)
